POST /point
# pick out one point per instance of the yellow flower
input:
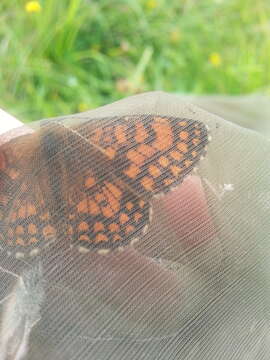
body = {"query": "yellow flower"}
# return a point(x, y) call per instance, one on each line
point(32, 7)
point(151, 4)
point(83, 107)
point(175, 36)
point(215, 59)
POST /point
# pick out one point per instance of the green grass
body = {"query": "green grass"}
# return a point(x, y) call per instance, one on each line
point(78, 54)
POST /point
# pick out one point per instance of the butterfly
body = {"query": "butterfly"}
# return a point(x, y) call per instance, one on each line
point(90, 182)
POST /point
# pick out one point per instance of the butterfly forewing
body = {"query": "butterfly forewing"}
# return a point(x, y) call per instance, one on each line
point(150, 154)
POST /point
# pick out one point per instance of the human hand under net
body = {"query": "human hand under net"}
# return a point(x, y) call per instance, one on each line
point(170, 292)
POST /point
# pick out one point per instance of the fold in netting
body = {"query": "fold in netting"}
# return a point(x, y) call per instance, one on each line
point(138, 230)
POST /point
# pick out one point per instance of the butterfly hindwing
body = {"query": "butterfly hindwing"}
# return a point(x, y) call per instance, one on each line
point(25, 219)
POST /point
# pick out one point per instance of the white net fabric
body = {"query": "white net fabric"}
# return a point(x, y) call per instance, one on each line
point(194, 286)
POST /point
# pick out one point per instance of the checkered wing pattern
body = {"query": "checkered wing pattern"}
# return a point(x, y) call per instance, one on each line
point(25, 218)
point(92, 183)
point(150, 154)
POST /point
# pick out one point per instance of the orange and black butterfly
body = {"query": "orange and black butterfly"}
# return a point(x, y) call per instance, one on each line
point(91, 183)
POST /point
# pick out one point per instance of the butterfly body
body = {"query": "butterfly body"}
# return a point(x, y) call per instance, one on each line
point(91, 184)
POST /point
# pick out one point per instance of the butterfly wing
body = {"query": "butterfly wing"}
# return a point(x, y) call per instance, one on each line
point(25, 219)
point(99, 211)
point(104, 214)
point(150, 154)
point(91, 184)
point(123, 162)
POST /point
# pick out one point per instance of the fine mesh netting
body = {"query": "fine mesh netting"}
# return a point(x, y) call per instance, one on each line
point(138, 230)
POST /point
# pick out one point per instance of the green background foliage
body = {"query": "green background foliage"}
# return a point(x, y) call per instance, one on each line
point(74, 55)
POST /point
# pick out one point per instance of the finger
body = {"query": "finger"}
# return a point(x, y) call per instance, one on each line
point(195, 234)
point(188, 213)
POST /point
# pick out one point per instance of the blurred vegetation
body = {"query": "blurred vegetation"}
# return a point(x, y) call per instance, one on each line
point(61, 57)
